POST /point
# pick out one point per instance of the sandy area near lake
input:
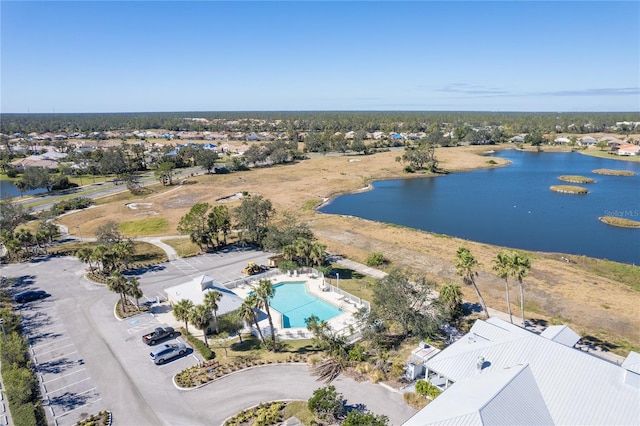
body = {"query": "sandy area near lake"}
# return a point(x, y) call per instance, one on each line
point(555, 289)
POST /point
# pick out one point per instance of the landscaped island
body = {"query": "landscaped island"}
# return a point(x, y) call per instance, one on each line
point(576, 179)
point(568, 189)
point(613, 172)
point(619, 221)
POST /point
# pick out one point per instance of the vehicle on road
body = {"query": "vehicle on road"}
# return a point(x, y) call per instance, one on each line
point(167, 351)
point(158, 335)
point(30, 295)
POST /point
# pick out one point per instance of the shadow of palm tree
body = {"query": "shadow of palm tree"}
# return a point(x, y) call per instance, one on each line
point(56, 366)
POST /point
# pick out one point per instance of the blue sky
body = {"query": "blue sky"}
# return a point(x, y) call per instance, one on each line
point(95, 56)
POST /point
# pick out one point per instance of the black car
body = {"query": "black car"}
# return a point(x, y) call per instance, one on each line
point(30, 295)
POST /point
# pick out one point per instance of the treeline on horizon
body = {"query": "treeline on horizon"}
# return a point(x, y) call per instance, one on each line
point(318, 121)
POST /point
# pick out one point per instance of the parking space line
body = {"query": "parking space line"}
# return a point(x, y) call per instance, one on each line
point(55, 349)
point(41, 329)
point(49, 343)
point(58, 357)
point(63, 376)
point(69, 385)
point(79, 407)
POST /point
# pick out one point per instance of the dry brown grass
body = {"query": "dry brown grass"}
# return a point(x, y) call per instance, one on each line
point(555, 289)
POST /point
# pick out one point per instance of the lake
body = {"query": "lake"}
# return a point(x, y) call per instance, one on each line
point(9, 190)
point(512, 206)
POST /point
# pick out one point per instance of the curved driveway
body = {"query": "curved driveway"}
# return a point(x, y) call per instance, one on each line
point(115, 365)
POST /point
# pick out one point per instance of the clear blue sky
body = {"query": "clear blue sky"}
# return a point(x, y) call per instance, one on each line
point(93, 56)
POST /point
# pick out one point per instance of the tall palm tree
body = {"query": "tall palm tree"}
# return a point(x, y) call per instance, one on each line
point(211, 299)
point(451, 296)
point(466, 266)
point(248, 313)
point(84, 256)
point(502, 266)
point(99, 255)
point(122, 251)
point(317, 253)
point(265, 292)
point(133, 289)
point(200, 316)
point(520, 267)
point(182, 312)
point(118, 284)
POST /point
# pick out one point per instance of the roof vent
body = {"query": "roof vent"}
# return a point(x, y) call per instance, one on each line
point(480, 363)
point(472, 337)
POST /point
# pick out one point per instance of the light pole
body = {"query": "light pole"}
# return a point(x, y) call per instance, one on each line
point(182, 245)
point(338, 280)
point(3, 332)
point(79, 235)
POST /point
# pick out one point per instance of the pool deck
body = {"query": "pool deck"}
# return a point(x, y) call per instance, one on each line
point(315, 286)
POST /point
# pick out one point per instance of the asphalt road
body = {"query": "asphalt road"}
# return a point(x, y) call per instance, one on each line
point(87, 360)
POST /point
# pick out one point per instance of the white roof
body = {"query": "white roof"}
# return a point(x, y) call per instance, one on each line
point(632, 362)
point(577, 388)
point(195, 290)
point(508, 396)
point(561, 334)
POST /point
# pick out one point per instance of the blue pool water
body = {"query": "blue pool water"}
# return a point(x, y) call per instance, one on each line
point(295, 305)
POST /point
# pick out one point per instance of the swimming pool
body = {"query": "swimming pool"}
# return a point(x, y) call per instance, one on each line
point(295, 304)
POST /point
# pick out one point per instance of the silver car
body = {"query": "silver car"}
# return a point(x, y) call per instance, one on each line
point(167, 351)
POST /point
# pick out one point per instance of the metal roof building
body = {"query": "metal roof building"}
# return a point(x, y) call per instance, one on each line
point(503, 374)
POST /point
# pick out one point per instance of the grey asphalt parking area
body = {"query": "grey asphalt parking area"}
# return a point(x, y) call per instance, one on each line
point(65, 383)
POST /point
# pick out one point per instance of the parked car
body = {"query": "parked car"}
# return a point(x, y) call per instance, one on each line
point(167, 351)
point(158, 334)
point(30, 295)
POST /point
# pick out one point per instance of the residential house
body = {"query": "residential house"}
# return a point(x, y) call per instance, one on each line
point(628, 150)
point(499, 373)
point(587, 141)
point(561, 141)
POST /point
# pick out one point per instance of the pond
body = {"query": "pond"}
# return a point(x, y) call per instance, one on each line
point(9, 190)
point(512, 206)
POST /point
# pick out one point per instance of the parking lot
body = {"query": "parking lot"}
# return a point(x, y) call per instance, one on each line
point(65, 383)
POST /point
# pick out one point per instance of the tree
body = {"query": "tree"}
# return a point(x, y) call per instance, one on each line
point(359, 418)
point(109, 233)
point(133, 289)
point(219, 220)
point(502, 265)
point(200, 316)
point(211, 299)
point(164, 173)
point(12, 215)
point(397, 299)
point(326, 403)
point(206, 159)
point(195, 224)
point(466, 266)
point(118, 284)
point(84, 255)
point(252, 217)
point(248, 313)
point(122, 252)
point(182, 312)
point(113, 162)
point(265, 293)
point(451, 297)
point(37, 177)
point(520, 267)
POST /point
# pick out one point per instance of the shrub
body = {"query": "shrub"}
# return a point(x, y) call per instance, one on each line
point(12, 173)
point(198, 345)
point(375, 259)
point(326, 403)
point(427, 389)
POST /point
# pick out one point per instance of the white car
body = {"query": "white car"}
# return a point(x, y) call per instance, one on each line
point(167, 351)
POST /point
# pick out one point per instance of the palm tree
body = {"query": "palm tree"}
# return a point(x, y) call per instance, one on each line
point(201, 317)
point(466, 265)
point(502, 266)
point(133, 289)
point(99, 255)
point(248, 313)
point(317, 253)
point(122, 251)
point(84, 256)
point(211, 299)
point(118, 284)
point(182, 312)
point(520, 267)
point(264, 293)
point(451, 296)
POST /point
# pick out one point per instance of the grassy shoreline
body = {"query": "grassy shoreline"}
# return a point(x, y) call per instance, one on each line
point(619, 222)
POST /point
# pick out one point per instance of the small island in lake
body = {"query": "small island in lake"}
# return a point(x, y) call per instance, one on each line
point(568, 189)
point(619, 221)
point(576, 179)
point(613, 172)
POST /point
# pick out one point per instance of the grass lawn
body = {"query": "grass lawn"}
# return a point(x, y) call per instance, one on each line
point(605, 154)
point(232, 351)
